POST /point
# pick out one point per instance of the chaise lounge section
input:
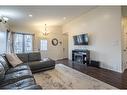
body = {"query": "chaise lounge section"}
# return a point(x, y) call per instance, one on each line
point(35, 62)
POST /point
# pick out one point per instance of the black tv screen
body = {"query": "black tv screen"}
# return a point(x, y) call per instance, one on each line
point(81, 39)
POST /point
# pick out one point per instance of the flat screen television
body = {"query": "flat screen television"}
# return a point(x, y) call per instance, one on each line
point(81, 39)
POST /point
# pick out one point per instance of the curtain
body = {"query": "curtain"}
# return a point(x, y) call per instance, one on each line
point(3, 42)
point(9, 42)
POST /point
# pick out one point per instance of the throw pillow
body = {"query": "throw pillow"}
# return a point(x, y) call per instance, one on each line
point(13, 59)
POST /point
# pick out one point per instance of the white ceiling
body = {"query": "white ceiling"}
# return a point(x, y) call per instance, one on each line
point(50, 15)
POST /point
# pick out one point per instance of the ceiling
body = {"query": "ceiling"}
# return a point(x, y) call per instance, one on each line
point(50, 15)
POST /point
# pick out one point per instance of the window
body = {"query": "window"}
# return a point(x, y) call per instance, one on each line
point(18, 43)
point(3, 42)
point(44, 45)
point(28, 43)
point(22, 43)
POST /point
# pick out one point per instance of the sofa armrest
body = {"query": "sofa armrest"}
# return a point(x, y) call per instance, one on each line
point(33, 87)
point(18, 68)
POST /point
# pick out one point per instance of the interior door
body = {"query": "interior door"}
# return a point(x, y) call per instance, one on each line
point(124, 45)
point(65, 46)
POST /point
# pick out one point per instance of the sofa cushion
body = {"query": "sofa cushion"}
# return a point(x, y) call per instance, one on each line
point(33, 87)
point(10, 78)
point(20, 84)
point(36, 65)
point(36, 56)
point(23, 57)
point(2, 72)
point(4, 63)
point(18, 68)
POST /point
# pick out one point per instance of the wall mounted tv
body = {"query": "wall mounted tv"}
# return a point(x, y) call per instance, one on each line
point(81, 39)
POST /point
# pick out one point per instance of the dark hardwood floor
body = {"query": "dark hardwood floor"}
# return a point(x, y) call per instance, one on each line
point(116, 79)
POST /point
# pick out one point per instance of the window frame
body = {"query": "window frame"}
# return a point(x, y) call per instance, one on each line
point(32, 42)
point(33, 36)
point(41, 49)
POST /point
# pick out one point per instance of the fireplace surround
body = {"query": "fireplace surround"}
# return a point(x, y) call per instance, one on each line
point(81, 56)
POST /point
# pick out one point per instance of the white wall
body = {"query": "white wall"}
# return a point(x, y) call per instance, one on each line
point(103, 24)
point(54, 52)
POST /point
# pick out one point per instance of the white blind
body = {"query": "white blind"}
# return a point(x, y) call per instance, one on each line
point(28, 43)
point(18, 43)
point(44, 45)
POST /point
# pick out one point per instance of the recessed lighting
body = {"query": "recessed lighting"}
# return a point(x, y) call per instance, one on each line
point(64, 18)
point(30, 15)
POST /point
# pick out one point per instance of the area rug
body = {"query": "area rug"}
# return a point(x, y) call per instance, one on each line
point(63, 77)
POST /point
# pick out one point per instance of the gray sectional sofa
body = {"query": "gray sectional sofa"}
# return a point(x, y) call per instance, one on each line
point(20, 77)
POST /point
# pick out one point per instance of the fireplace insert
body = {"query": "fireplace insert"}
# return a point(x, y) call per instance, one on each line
point(81, 56)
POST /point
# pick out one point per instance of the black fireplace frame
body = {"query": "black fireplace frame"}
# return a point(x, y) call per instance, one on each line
point(83, 54)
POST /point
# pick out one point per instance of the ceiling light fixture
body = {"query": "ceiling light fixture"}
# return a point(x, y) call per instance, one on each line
point(30, 15)
point(64, 18)
point(45, 32)
point(4, 19)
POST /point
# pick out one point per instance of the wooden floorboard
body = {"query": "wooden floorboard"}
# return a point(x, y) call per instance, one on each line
point(113, 78)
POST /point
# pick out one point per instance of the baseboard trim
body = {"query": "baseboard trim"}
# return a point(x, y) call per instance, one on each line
point(62, 59)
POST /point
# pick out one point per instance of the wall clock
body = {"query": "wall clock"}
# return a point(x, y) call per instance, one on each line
point(54, 42)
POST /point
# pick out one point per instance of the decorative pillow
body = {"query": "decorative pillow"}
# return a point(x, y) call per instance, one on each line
point(13, 59)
